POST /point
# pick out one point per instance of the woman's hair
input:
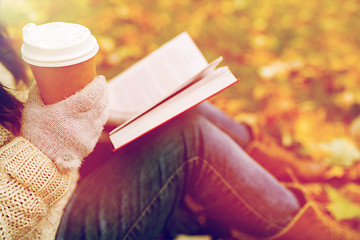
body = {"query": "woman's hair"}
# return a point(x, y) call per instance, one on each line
point(10, 106)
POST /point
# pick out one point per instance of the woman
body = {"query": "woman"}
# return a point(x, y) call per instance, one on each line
point(36, 177)
point(140, 191)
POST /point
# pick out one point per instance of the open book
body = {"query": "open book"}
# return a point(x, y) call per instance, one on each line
point(167, 82)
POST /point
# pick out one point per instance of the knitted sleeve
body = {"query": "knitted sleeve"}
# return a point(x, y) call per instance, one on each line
point(29, 184)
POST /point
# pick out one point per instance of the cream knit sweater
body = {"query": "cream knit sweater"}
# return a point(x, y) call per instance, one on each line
point(38, 170)
point(33, 192)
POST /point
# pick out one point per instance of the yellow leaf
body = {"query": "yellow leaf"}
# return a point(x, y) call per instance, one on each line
point(341, 207)
point(340, 152)
point(335, 171)
point(186, 237)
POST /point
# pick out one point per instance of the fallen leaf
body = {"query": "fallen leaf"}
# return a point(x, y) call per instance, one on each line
point(341, 207)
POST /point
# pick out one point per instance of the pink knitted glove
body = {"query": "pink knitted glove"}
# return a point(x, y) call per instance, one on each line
point(67, 131)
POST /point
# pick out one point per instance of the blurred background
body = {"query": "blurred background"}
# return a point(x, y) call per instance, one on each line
point(297, 62)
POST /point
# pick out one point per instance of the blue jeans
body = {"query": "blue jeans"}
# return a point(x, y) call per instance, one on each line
point(137, 191)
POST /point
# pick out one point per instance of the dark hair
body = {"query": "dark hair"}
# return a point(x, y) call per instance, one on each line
point(10, 106)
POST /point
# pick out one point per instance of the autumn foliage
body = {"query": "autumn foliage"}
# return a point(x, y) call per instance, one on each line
point(297, 62)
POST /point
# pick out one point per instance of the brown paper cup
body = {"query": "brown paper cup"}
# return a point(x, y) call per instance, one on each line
point(61, 56)
point(58, 83)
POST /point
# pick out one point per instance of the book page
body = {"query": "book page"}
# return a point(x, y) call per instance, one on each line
point(153, 77)
point(207, 74)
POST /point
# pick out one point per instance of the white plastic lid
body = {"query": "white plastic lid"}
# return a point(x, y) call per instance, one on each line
point(57, 44)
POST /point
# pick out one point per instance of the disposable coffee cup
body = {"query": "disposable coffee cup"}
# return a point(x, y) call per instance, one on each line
point(61, 58)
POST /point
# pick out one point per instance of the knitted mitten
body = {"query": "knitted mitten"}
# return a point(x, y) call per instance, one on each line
point(67, 131)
